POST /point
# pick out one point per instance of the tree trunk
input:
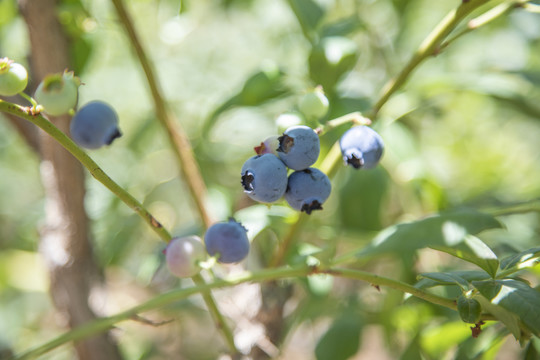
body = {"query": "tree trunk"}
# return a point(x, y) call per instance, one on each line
point(65, 242)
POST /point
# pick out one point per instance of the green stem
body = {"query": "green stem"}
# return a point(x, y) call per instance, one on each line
point(30, 99)
point(86, 161)
point(215, 313)
point(176, 135)
point(288, 241)
point(483, 19)
point(511, 209)
point(427, 48)
point(354, 117)
point(394, 284)
point(163, 300)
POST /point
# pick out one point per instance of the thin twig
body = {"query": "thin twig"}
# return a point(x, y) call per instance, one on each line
point(176, 135)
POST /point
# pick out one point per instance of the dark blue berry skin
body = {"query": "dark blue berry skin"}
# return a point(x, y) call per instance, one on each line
point(362, 147)
point(308, 190)
point(264, 178)
point(229, 240)
point(299, 147)
point(94, 125)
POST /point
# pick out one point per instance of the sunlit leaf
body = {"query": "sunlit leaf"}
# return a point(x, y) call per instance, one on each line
point(524, 259)
point(472, 249)
point(511, 301)
point(308, 13)
point(445, 229)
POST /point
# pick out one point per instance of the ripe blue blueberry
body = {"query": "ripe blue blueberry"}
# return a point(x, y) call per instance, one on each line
point(308, 190)
point(94, 125)
point(183, 255)
point(299, 147)
point(264, 178)
point(361, 147)
point(228, 240)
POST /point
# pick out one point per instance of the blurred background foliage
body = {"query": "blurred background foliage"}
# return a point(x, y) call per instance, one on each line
point(463, 132)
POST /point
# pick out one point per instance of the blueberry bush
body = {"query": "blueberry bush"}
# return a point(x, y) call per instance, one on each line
point(250, 179)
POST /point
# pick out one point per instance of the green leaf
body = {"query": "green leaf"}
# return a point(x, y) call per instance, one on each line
point(262, 86)
point(342, 27)
point(459, 278)
point(413, 350)
point(309, 14)
point(342, 339)
point(361, 199)
point(511, 301)
point(489, 341)
point(471, 249)
point(524, 259)
point(330, 59)
point(445, 229)
point(531, 353)
point(449, 278)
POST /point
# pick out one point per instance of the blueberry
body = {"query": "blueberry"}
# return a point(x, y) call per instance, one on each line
point(299, 147)
point(57, 93)
point(361, 147)
point(308, 190)
point(95, 125)
point(229, 240)
point(264, 178)
point(13, 77)
point(183, 255)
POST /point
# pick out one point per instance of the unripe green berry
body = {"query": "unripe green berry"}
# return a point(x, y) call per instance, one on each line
point(469, 309)
point(13, 77)
point(58, 93)
point(314, 104)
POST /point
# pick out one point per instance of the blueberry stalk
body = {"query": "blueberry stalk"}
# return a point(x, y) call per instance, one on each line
point(94, 169)
point(355, 117)
point(428, 47)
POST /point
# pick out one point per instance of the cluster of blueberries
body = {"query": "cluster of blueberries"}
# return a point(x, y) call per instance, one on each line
point(264, 179)
point(265, 176)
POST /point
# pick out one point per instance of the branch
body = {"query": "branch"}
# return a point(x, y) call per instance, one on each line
point(87, 162)
point(427, 48)
point(163, 300)
point(483, 19)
